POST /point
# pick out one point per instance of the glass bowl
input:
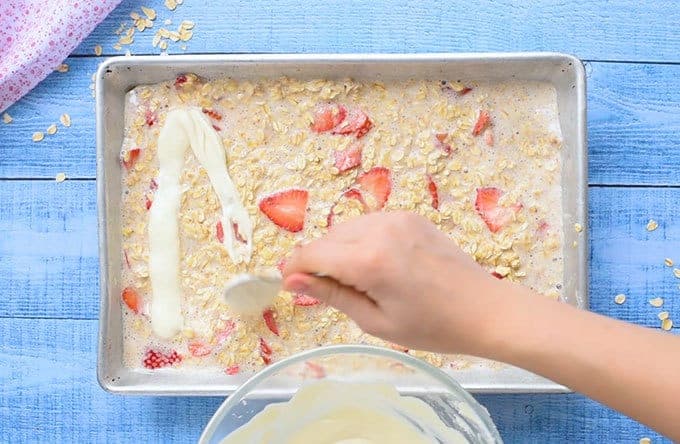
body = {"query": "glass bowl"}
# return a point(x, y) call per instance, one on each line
point(354, 364)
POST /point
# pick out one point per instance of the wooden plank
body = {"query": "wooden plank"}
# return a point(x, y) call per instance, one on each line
point(71, 150)
point(614, 30)
point(48, 250)
point(48, 392)
point(633, 122)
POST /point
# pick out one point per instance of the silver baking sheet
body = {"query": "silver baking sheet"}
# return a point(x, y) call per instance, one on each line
point(117, 76)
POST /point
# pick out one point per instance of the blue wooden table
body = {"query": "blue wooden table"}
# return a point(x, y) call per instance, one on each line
point(48, 239)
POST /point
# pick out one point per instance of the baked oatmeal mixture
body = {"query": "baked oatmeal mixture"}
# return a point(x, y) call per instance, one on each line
point(481, 161)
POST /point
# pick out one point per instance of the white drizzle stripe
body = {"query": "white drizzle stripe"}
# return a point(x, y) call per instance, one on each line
point(187, 128)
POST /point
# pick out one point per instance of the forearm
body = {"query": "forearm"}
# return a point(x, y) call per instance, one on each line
point(629, 368)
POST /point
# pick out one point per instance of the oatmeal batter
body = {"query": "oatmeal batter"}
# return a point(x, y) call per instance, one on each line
point(482, 161)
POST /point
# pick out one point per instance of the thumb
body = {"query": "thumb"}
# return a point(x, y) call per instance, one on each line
point(355, 304)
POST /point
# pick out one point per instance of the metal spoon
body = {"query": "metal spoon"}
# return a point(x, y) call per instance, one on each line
point(251, 294)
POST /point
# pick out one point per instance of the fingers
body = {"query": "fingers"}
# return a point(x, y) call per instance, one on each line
point(326, 256)
point(356, 305)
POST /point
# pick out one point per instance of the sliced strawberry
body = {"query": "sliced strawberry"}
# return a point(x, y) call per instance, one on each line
point(131, 299)
point(270, 320)
point(303, 300)
point(286, 208)
point(327, 116)
point(224, 333)
point(150, 117)
point(212, 113)
point(489, 139)
point(232, 370)
point(265, 348)
point(357, 122)
point(543, 227)
point(154, 359)
point(265, 351)
point(330, 217)
point(180, 80)
point(199, 348)
point(483, 122)
point(439, 142)
point(349, 158)
point(365, 128)
point(464, 91)
point(130, 157)
point(153, 185)
point(497, 275)
point(377, 182)
point(237, 234)
point(432, 189)
point(219, 231)
point(316, 370)
point(216, 128)
point(148, 203)
point(494, 216)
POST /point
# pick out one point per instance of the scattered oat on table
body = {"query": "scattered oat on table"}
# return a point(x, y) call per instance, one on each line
point(652, 225)
point(65, 120)
point(667, 324)
point(62, 68)
point(60, 177)
point(98, 50)
point(7, 118)
point(149, 13)
point(645, 441)
point(663, 315)
point(171, 4)
point(620, 298)
point(578, 227)
point(574, 244)
point(656, 302)
point(38, 136)
point(676, 272)
point(52, 129)
point(668, 262)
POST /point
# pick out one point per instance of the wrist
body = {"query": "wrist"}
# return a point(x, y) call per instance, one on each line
point(510, 331)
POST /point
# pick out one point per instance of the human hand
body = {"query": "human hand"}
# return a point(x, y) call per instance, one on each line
point(401, 279)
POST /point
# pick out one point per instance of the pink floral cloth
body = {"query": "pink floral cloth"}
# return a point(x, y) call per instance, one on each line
point(37, 35)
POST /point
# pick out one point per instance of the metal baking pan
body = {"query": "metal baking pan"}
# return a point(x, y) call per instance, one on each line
point(117, 76)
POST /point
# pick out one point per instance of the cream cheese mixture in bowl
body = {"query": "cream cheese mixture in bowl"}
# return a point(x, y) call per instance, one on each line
point(350, 394)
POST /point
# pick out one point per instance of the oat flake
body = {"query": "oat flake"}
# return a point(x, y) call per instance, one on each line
point(150, 13)
point(52, 129)
point(663, 315)
point(656, 302)
point(62, 68)
point(667, 324)
point(7, 118)
point(578, 227)
point(676, 272)
point(620, 298)
point(668, 261)
point(38, 136)
point(652, 225)
point(98, 50)
point(60, 177)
